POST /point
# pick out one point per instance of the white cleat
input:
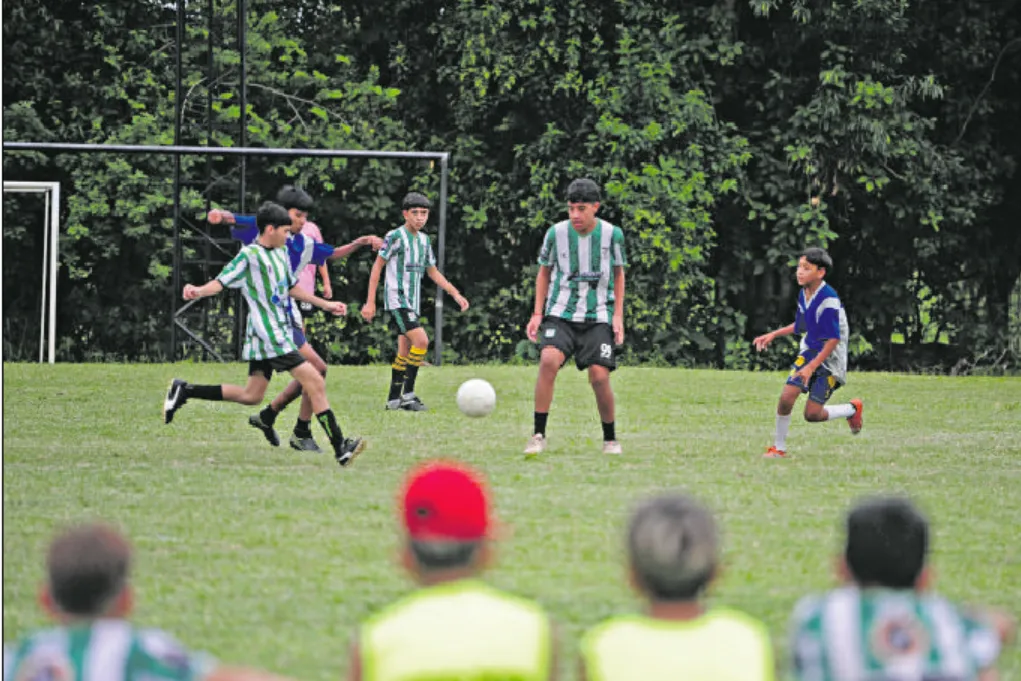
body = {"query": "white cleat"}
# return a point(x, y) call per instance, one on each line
point(536, 445)
point(612, 447)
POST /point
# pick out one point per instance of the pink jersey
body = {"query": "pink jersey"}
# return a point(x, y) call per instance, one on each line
point(307, 278)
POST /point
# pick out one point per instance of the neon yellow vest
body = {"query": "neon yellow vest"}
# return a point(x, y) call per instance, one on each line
point(457, 631)
point(722, 645)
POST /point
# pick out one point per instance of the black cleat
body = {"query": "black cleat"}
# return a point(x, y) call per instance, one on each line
point(174, 400)
point(255, 421)
point(304, 444)
point(347, 452)
point(410, 402)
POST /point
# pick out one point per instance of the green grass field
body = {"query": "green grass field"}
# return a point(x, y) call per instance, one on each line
point(271, 557)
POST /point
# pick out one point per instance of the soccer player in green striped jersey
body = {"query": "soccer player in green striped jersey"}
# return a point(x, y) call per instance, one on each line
point(579, 307)
point(263, 272)
point(87, 593)
point(885, 624)
point(407, 254)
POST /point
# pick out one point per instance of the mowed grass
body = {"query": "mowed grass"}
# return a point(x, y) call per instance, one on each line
point(271, 557)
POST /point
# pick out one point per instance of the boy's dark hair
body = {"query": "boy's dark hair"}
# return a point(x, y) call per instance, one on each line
point(887, 542)
point(818, 257)
point(270, 213)
point(445, 555)
point(415, 200)
point(87, 568)
point(583, 190)
point(290, 197)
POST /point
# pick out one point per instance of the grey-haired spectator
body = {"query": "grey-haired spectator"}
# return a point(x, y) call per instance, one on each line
point(673, 553)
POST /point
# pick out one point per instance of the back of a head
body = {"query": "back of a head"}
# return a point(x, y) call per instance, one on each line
point(887, 543)
point(271, 213)
point(673, 546)
point(290, 196)
point(818, 257)
point(583, 190)
point(87, 568)
point(415, 200)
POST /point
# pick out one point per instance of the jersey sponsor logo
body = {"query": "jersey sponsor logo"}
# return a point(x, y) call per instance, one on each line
point(585, 276)
point(414, 267)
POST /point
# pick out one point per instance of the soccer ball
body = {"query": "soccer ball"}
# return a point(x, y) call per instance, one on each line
point(476, 398)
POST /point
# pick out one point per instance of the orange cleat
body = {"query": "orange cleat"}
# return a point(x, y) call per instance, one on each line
point(855, 421)
point(774, 453)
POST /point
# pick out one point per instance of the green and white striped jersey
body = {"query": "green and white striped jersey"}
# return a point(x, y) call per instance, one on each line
point(407, 257)
point(581, 282)
point(265, 278)
point(103, 650)
point(884, 635)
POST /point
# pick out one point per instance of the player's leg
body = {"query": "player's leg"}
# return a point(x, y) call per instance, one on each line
point(400, 364)
point(556, 343)
point(595, 352)
point(314, 385)
point(822, 388)
point(181, 391)
point(788, 398)
point(419, 341)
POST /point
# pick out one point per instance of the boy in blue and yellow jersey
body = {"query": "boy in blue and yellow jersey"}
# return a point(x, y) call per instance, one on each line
point(821, 365)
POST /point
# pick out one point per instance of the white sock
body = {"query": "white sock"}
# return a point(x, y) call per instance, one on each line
point(783, 424)
point(839, 411)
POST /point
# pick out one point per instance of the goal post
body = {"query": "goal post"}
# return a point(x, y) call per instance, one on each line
point(51, 247)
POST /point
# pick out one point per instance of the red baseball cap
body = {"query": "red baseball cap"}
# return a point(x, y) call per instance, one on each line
point(445, 500)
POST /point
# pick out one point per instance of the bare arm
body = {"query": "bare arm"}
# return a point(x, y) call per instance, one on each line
point(369, 308)
point(451, 290)
point(324, 274)
point(354, 672)
point(618, 305)
point(304, 296)
point(542, 280)
point(762, 342)
point(239, 674)
point(192, 292)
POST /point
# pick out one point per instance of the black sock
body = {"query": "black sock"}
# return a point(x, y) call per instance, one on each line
point(204, 392)
point(609, 431)
point(397, 370)
point(329, 423)
point(303, 429)
point(268, 416)
point(540, 422)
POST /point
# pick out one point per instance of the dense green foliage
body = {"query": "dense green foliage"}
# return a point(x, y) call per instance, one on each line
point(727, 135)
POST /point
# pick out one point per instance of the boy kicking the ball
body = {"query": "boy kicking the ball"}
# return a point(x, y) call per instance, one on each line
point(406, 255)
point(821, 365)
point(263, 273)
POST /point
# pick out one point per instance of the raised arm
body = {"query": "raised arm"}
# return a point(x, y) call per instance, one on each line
point(192, 292)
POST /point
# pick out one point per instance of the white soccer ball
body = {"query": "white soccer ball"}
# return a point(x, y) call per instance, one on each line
point(476, 398)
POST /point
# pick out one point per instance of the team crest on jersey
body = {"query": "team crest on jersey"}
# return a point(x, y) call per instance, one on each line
point(895, 637)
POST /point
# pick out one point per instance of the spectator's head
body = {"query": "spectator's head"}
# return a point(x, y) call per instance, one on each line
point(446, 517)
point(297, 202)
point(813, 265)
point(87, 574)
point(274, 224)
point(583, 197)
point(673, 548)
point(415, 208)
point(887, 544)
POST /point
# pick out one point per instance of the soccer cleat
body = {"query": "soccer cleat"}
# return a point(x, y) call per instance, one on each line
point(304, 444)
point(855, 420)
point(174, 400)
point(255, 421)
point(347, 451)
point(774, 453)
point(410, 402)
point(393, 405)
point(536, 444)
point(612, 447)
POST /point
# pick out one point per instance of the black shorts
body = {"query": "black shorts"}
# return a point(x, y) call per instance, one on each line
point(406, 319)
point(308, 310)
point(282, 363)
point(589, 342)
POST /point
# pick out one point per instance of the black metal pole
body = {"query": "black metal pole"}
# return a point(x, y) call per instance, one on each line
point(241, 310)
point(211, 84)
point(440, 258)
point(178, 251)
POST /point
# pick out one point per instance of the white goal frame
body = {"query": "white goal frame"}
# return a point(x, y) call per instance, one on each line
point(51, 232)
